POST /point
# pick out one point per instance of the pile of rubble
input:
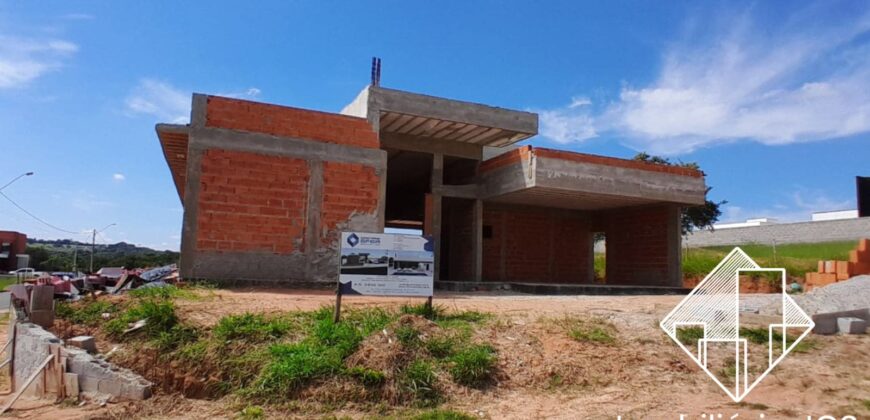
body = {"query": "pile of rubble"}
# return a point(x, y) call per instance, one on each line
point(107, 280)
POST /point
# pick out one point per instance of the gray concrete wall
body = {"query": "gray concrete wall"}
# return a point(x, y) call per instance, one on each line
point(784, 233)
point(95, 375)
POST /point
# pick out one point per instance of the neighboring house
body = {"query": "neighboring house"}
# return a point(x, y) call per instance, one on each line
point(267, 189)
point(12, 244)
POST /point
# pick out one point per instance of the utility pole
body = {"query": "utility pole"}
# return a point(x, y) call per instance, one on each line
point(93, 246)
point(94, 243)
point(75, 258)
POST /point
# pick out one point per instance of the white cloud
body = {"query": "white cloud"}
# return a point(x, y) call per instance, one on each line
point(118, 177)
point(24, 59)
point(160, 100)
point(771, 85)
point(168, 103)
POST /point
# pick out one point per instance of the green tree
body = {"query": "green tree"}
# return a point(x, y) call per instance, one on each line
point(693, 217)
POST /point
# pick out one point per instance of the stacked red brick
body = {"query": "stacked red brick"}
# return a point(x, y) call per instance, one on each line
point(833, 271)
point(253, 202)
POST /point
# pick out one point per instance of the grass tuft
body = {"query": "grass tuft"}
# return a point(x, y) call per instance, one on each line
point(418, 378)
point(251, 327)
point(473, 366)
point(442, 415)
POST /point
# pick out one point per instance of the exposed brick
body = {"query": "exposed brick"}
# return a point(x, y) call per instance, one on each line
point(251, 202)
point(842, 270)
point(535, 245)
point(637, 247)
point(348, 188)
point(285, 121)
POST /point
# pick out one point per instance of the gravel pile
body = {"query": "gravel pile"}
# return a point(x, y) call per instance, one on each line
point(846, 295)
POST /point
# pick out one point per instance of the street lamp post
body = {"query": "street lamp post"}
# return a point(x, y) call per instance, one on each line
point(16, 179)
point(94, 243)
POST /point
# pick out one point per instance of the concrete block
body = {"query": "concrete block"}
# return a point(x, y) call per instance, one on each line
point(864, 245)
point(830, 267)
point(821, 268)
point(71, 385)
point(84, 342)
point(42, 317)
point(826, 323)
point(851, 325)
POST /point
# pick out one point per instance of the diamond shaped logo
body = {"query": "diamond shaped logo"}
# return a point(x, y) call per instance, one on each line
point(731, 333)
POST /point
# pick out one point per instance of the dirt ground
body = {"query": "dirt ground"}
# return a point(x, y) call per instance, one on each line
point(545, 374)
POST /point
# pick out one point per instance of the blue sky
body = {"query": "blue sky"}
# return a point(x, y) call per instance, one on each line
point(772, 99)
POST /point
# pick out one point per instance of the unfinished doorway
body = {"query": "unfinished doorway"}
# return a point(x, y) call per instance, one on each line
point(408, 182)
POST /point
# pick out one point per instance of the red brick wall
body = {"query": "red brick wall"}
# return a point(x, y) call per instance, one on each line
point(536, 245)
point(17, 245)
point(284, 121)
point(637, 244)
point(251, 202)
point(348, 188)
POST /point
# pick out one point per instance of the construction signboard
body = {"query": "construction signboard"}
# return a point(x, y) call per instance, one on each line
point(386, 264)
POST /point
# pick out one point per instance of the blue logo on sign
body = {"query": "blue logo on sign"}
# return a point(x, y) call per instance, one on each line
point(352, 240)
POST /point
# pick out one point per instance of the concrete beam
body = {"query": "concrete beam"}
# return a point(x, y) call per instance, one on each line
point(593, 178)
point(220, 138)
point(417, 144)
point(383, 99)
point(471, 191)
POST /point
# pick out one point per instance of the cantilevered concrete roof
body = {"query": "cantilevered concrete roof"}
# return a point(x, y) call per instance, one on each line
point(173, 140)
point(554, 178)
point(400, 114)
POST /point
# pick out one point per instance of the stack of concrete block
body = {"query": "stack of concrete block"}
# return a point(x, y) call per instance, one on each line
point(833, 271)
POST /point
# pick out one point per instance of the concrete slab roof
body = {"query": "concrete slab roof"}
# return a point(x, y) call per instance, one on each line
point(407, 114)
point(555, 178)
point(173, 140)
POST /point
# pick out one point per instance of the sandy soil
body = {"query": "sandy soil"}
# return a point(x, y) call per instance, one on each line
point(544, 374)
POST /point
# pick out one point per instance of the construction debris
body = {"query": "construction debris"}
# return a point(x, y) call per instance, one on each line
point(84, 342)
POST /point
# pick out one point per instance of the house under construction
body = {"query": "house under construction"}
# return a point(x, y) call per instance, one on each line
point(267, 190)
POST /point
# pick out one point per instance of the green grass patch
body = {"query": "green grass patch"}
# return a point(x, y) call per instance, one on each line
point(592, 330)
point(797, 259)
point(418, 378)
point(761, 336)
point(85, 312)
point(165, 292)
point(159, 315)
point(368, 377)
point(442, 415)
point(599, 264)
point(251, 327)
point(6, 281)
point(689, 336)
point(473, 365)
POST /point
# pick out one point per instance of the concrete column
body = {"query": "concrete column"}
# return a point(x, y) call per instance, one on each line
point(675, 236)
point(436, 180)
point(312, 213)
point(477, 240)
point(187, 260)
